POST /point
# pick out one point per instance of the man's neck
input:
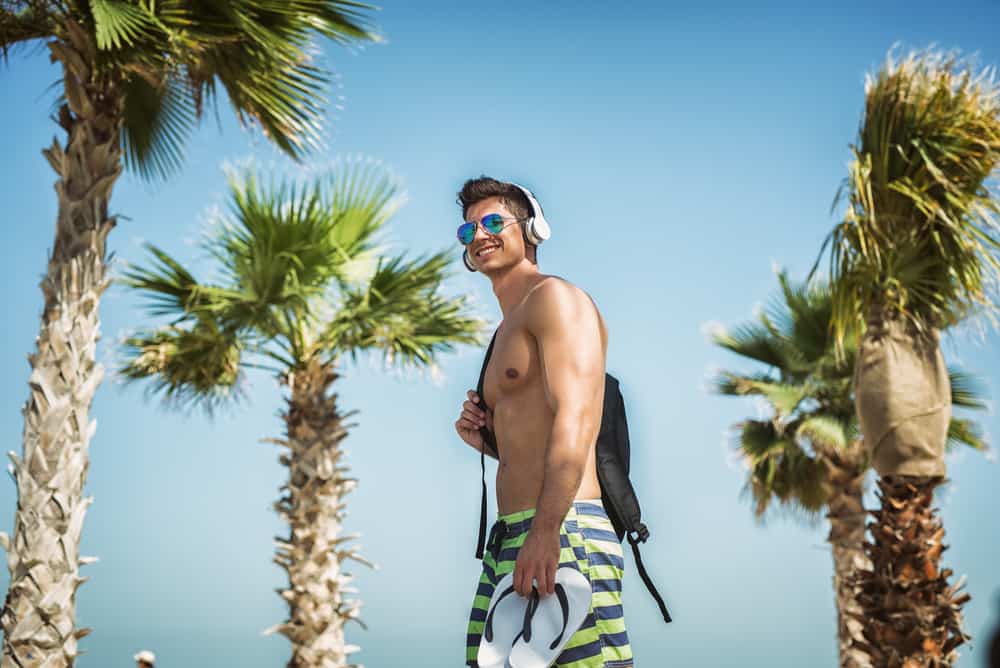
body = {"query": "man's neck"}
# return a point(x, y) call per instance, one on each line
point(511, 286)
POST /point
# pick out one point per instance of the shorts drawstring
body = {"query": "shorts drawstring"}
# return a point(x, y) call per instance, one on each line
point(495, 542)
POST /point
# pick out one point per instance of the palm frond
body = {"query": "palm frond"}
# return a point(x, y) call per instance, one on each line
point(920, 237)
point(400, 313)
point(362, 197)
point(157, 122)
point(22, 22)
point(345, 21)
point(276, 242)
point(804, 312)
point(784, 397)
point(825, 432)
point(261, 52)
point(119, 24)
point(174, 56)
point(966, 390)
point(187, 366)
point(780, 470)
point(965, 432)
point(760, 438)
point(170, 288)
point(810, 392)
point(278, 257)
point(282, 245)
point(797, 480)
point(735, 384)
point(753, 341)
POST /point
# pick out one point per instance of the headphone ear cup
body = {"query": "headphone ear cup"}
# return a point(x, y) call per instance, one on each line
point(530, 233)
point(465, 259)
point(536, 228)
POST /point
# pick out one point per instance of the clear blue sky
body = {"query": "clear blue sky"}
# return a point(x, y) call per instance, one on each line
point(680, 153)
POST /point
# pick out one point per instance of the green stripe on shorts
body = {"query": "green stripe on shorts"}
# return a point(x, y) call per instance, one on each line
point(589, 543)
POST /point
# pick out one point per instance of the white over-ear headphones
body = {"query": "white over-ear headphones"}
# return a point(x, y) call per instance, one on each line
point(536, 228)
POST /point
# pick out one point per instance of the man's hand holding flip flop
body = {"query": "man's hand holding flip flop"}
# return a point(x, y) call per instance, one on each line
point(537, 561)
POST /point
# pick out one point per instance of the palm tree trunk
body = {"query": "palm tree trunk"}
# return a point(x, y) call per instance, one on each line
point(39, 613)
point(846, 513)
point(313, 505)
point(913, 616)
point(903, 398)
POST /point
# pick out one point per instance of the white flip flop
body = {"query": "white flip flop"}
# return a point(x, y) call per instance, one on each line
point(546, 630)
point(504, 621)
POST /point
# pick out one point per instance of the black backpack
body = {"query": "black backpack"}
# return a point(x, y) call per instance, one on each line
point(617, 493)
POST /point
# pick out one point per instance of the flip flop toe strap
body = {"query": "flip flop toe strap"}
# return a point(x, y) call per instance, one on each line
point(564, 604)
point(529, 613)
point(488, 630)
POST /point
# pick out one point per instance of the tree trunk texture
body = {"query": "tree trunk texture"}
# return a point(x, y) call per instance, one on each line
point(313, 505)
point(39, 613)
point(846, 512)
point(912, 616)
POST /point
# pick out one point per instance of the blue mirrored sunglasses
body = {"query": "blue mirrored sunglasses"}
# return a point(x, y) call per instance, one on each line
point(493, 223)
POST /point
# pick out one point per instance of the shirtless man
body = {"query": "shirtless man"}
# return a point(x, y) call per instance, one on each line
point(542, 400)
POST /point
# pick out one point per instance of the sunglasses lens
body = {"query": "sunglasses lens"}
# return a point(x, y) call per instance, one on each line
point(466, 233)
point(493, 223)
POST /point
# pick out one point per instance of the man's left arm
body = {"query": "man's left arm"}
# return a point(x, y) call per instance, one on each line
point(566, 328)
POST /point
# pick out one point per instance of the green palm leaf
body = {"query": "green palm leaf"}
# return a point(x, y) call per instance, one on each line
point(282, 246)
point(157, 122)
point(164, 60)
point(754, 341)
point(761, 438)
point(22, 22)
point(809, 384)
point(784, 397)
point(965, 432)
point(780, 470)
point(365, 197)
point(120, 23)
point(284, 293)
point(803, 313)
point(920, 236)
point(197, 365)
point(826, 431)
point(397, 312)
point(966, 390)
point(169, 288)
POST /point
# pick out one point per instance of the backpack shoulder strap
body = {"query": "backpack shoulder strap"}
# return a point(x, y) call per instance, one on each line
point(634, 542)
point(487, 435)
point(487, 440)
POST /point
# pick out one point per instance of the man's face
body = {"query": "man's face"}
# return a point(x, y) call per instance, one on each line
point(509, 246)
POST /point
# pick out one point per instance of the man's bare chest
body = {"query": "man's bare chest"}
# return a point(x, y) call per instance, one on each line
point(513, 369)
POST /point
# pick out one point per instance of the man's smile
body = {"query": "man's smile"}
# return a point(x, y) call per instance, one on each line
point(487, 249)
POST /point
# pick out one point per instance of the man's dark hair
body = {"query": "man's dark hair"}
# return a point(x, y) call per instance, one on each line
point(476, 190)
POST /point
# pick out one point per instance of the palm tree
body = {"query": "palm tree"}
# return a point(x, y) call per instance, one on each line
point(136, 76)
point(294, 299)
point(916, 253)
point(808, 455)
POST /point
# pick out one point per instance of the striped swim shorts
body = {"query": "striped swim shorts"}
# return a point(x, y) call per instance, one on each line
point(588, 543)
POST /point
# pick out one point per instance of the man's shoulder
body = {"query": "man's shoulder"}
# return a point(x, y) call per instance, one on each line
point(554, 297)
point(556, 287)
